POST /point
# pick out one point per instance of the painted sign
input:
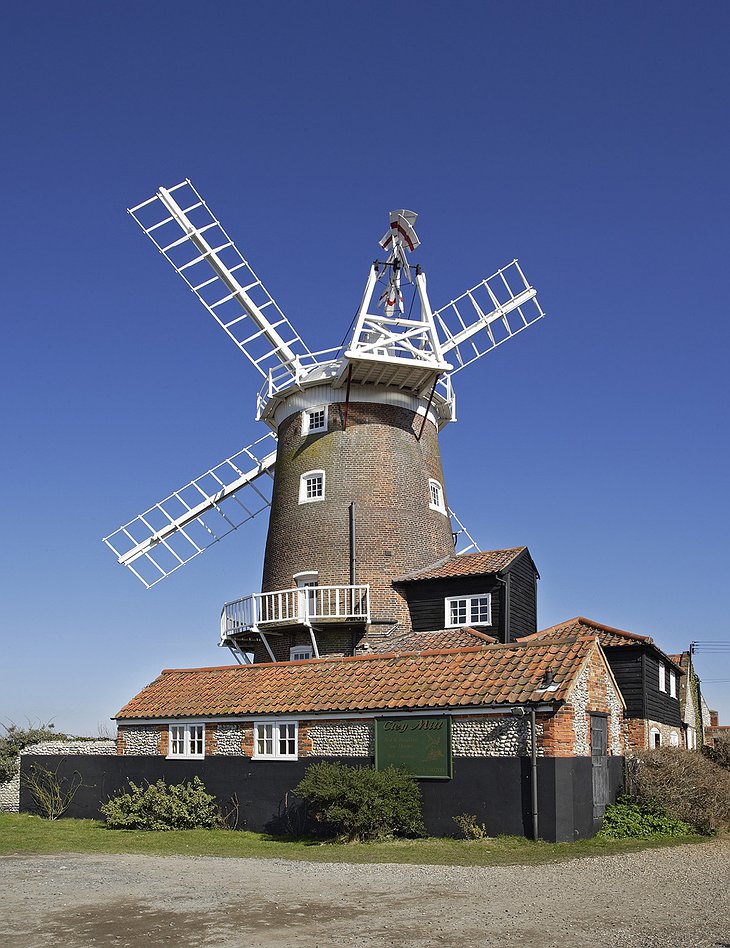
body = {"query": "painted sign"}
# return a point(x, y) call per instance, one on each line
point(422, 746)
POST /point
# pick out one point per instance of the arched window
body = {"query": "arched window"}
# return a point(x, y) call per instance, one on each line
point(311, 487)
point(674, 739)
point(436, 496)
point(655, 738)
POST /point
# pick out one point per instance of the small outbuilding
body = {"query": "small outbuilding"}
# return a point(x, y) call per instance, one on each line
point(516, 734)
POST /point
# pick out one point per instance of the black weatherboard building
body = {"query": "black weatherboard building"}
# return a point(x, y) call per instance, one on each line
point(494, 591)
point(649, 680)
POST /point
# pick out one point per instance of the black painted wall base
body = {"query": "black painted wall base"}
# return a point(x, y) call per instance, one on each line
point(496, 790)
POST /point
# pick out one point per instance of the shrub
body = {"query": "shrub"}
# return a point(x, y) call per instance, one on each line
point(720, 753)
point(627, 819)
point(52, 793)
point(468, 825)
point(687, 785)
point(15, 739)
point(361, 802)
point(160, 806)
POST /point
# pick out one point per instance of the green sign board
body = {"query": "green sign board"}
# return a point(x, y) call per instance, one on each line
point(422, 746)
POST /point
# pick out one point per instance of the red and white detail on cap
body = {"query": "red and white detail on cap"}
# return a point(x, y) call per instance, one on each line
point(401, 225)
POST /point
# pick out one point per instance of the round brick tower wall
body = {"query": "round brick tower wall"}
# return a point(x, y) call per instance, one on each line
point(379, 463)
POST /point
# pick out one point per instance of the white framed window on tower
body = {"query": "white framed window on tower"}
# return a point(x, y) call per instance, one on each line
point(311, 487)
point(186, 740)
point(436, 496)
point(299, 653)
point(275, 740)
point(314, 420)
point(468, 610)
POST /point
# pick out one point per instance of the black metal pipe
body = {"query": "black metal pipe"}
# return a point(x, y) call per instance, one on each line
point(533, 781)
point(353, 565)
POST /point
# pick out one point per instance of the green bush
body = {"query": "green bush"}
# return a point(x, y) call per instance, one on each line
point(627, 819)
point(160, 806)
point(361, 802)
point(470, 827)
point(15, 739)
point(685, 784)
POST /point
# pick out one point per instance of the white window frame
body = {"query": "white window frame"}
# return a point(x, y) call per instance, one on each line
point(310, 475)
point(307, 427)
point(300, 649)
point(435, 489)
point(449, 624)
point(653, 734)
point(662, 677)
point(275, 738)
point(188, 740)
point(672, 683)
point(673, 739)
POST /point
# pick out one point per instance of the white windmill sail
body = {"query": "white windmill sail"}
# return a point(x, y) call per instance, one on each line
point(193, 518)
point(185, 231)
point(487, 315)
point(464, 542)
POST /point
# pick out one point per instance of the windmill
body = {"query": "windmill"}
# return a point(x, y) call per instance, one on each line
point(349, 466)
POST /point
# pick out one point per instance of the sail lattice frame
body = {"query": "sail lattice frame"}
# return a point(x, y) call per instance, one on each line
point(487, 315)
point(193, 518)
point(186, 232)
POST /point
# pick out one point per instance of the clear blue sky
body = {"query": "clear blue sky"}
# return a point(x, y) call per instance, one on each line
point(589, 140)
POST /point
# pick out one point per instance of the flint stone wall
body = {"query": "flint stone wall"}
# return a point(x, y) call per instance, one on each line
point(10, 789)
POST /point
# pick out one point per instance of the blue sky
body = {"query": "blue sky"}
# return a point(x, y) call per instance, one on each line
point(589, 140)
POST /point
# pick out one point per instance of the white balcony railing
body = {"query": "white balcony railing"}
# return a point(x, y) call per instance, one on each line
point(300, 606)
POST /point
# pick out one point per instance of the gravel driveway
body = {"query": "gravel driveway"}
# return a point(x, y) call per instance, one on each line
point(665, 897)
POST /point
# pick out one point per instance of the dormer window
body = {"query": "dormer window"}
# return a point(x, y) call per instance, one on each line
point(468, 610)
point(436, 496)
point(313, 420)
point(311, 487)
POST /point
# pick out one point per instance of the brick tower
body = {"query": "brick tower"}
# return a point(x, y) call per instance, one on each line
point(358, 497)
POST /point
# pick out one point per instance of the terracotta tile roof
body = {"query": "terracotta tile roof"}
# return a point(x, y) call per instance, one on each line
point(491, 675)
point(582, 626)
point(468, 564)
point(607, 635)
point(427, 641)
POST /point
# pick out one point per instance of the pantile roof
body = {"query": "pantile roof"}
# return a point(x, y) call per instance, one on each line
point(468, 564)
point(481, 676)
point(607, 634)
point(427, 641)
point(582, 626)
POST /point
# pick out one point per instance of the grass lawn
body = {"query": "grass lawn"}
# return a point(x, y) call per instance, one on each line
point(21, 833)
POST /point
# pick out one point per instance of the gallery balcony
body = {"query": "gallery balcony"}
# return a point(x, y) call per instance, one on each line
point(310, 606)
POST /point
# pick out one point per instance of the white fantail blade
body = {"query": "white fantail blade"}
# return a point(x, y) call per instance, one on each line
point(464, 542)
point(183, 525)
point(402, 227)
point(487, 315)
point(182, 227)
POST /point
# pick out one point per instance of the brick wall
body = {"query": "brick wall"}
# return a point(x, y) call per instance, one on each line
point(379, 463)
point(558, 735)
point(567, 733)
point(639, 737)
